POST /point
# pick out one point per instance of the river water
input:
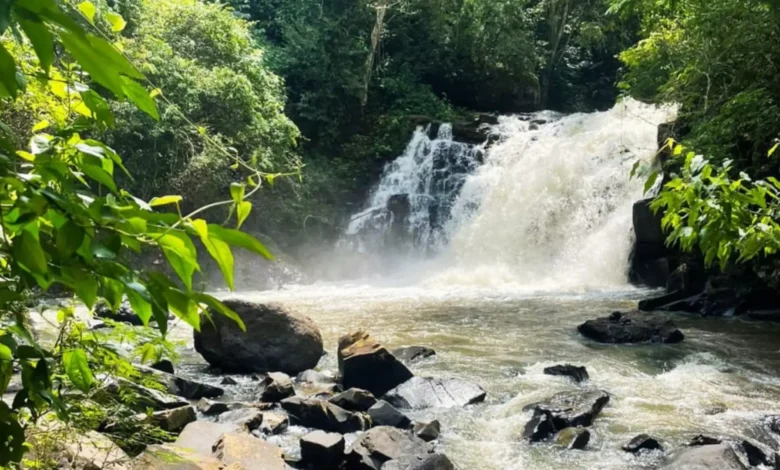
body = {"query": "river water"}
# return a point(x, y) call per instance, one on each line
point(536, 242)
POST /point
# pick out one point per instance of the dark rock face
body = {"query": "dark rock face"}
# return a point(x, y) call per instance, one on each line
point(172, 420)
point(540, 428)
point(228, 381)
point(571, 409)
point(275, 340)
point(248, 419)
point(410, 354)
point(418, 462)
point(642, 442)
point(633, 327)
point(323, 415)
point(276, 386)
point(124, 314)
point(578, 374)
point(274, 423)
point(426, 392)
point(574, 438)
point(711, 457)
point(164, 366)
point(322, 450)
point(428, 432)
point(382, 444)
point(755, 455)
point(184, 387)
point(384, 414)
point(651, 262)
point(354, 399)
point(366, 364)
point(702, 440)
point(211, 408)
point(773, 423)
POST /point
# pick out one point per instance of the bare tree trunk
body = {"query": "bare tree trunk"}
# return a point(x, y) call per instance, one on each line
point(376, 35)
point(557, 18)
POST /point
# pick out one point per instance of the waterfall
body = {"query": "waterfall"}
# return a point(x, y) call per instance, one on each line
point(550, 207)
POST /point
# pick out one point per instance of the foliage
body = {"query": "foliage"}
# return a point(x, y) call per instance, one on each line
point(68, 223)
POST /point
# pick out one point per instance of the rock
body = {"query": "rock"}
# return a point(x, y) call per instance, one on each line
point(381, 444)
point(420, 462)
point(323, 450)
point(323, 415)
point(275, 340)
point(702, 440)
point(634, 327)
point(539, 428)
point(712, 457)
point(173, 457)
point(229, 381)
point(428, 432)
point(384, 414)
point(755, 455)
point(274, 423)
point(312, 376)
point(773, 423)
point(366, 364)
point(276, 387)
point(171, 420)
point(413, 353)
point(211, 408)
point(248, 419)
point(578, 374)
point(247, 452)
point(182, 387)
point(642, 442)
point(573, 438)
point(93, 450)
point(354, 399)
point(144, 397)
point(426, 392)
point(164, 366)
point(124, 314)
point(201, 436)
point(571, 409)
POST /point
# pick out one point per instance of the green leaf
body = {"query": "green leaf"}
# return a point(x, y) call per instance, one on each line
point(773, 149)
point(116, 21)
point(28, 252)
point(99, 108)
point(42, 41)
point(242, 212)
point(41, 126)
point(88, 9)
point(237, 192)
point(136, 93)
point(181, 255)
point(651, 181)
point(5, 353)
point(138, 297)
point(11, 436)
point(240, 239)
point(100, 175)
point(77, 368)
point(184, 307)
point(8, 83)
point(220, 308)
point(69, 238)
point(218, 249)
point(164, 201)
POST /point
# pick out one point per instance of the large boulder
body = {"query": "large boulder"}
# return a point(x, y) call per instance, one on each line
point(382, 444)
point(275, 340)
point(201, 436)
point(324, 415)
point(237, 450)
point(633, 327)
point(427, 392)
point(94, 450)
point(364, 363)
point(571, 409)
point(712, 457)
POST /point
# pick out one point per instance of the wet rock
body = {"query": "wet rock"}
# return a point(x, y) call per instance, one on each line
point(633, 327)
point(174, 457)
point(384, 414)
point(572, 409)
point(323, 415)
point(244, 451)
point(364, 363)
point(182, 387)
point(211, 408)
point(124, 314)
point(578, 374)
point(427, 392)
point(755, 454)
point(573, 438)
point(714, 457)
point(354, 399)
point(642, 442)
point(248, 419)
point(773, 423)
point(171, 420)
point(229, 381)
point(164, 366)
point(428, 432)
point(275, 340)
point(702, 440)
point(315, 377)
point(420, 462)
point(93, 450)
point(201, 436)
point(413, 353)
point(322, 450)
point(382, 444)
point(145, 398)
point(539, 428)
point(276, 386)
point(274, 423)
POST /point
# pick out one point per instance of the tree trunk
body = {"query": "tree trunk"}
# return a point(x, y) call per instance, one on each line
point(376, 35)
point(557, 18)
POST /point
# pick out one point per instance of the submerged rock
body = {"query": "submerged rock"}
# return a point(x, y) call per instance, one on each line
point(229, 381)
point(711, 457)
point(573, 438)
point(642, 442)
point(413, 353)
point(539, 428)
point(245, 451)
point(364, 363)
point(427, 392)
point(323, 415)
point(571, 409)
point(702, 440)
point(275, 340)
point(322, 450)
point(633, 327)
point(354, 399)
point(382, 444)
point(384, 414)
point(578, 374)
